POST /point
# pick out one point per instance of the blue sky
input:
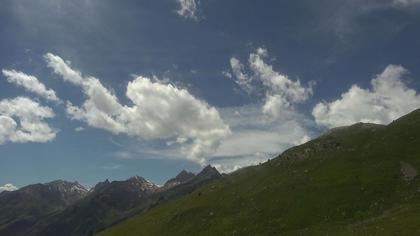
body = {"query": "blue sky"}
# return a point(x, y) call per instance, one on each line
point(93, 90)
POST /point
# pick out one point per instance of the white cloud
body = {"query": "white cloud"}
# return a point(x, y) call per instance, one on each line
point(388, 99)
point(188, 9)
point(30, 83)
point(22, 120)
point(276, 106)
point(269, 126)
point(257, 146)
point(254, 133)
point(158, 111)
point(62, 68)
point(8, 187)
point(281, 93)
point(242, 79)
point(256, 138)
point(229, 165)
point(79, 129)
point(254, 141)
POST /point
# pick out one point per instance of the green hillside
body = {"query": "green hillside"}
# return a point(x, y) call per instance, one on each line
point(356, 180)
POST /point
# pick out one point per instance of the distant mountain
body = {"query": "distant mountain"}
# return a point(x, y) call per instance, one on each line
point(110, 203)
point(73, 210)
point(107, 203)
point(207, 175)
point(21, 209)
point(361, 179)
point(184, 177)
point(100, 185)
point(181, 178)
point(70, 192)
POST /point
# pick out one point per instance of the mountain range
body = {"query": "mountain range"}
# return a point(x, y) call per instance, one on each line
point(361, 179)
point(64, 208)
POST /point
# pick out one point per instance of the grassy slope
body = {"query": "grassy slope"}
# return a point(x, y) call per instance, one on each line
point(348, 182)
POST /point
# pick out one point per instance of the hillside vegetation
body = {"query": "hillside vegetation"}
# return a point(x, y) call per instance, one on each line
point(356, 180)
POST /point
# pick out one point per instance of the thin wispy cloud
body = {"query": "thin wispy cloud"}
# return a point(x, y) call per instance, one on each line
point(112, 167)
point(188, 9)
point(281, 93)
point(405, 3)
point(269, 126)
point(30, 83)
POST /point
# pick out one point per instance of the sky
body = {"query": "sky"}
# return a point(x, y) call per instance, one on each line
point(98, 89)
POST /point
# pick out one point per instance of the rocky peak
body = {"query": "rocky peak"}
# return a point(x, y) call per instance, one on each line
point(100, 185)
point(183, 177)
point(142, 184)
point(64, 186)
point(137, 179)
point(209, 171)
point(70, 191)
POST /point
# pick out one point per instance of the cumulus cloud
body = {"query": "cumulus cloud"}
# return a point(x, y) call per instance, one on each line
point(30, 83)
point(188, 9)
point(22, 120)
point(8, 187)
point(388, 99)
point(281, 93)
point(158, 111)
